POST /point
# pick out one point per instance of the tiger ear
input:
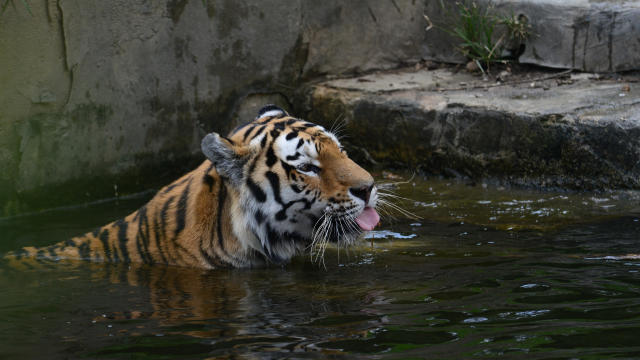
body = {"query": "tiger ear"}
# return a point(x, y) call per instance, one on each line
point(271, 111)
point(228, 158)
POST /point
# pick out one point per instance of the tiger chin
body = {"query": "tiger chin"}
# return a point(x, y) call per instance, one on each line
point(274, 188)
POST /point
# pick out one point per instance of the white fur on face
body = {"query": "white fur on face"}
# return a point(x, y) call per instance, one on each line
point(301, 208)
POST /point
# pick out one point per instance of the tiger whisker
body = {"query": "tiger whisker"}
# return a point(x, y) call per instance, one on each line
point(384, 211)
point(393, 207)
point(396, 183)
point(391, 195)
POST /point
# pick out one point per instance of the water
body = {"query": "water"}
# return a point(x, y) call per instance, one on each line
point(487, 273)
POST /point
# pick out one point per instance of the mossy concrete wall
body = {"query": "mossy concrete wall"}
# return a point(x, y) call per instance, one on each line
point(99, 98)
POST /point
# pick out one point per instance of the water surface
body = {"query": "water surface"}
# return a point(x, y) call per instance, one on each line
point(488, 273)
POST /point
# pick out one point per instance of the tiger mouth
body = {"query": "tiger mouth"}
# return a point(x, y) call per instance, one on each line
point(368, 219)
point(344, 228)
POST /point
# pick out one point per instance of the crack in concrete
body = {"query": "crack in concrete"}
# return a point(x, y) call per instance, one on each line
point(396, 6)
point(612, 26)
point(584, 46)
point(375, 20)
point(65, 53)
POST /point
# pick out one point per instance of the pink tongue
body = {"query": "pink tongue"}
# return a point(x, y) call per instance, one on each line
point(368, 219)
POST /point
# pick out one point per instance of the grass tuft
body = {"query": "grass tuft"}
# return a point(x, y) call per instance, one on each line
point(484, 35)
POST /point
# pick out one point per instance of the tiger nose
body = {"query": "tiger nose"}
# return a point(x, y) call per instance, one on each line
point(363, 193)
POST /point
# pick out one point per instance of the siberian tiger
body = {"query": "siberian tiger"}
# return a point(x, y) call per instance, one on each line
point(271, 189)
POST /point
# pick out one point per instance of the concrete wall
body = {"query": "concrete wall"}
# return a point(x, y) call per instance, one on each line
point(103, 97)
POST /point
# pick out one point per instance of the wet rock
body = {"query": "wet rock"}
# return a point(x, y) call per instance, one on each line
point(582, 135)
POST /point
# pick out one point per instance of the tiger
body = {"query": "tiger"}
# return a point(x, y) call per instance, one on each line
point(269, 190)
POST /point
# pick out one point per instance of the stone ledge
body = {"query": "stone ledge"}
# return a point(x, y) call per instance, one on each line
point(573, 132)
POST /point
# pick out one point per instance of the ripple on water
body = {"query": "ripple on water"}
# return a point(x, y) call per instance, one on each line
point(386, 234)
point(562, 283)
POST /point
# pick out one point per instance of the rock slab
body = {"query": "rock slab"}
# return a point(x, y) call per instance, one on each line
point(570, 132)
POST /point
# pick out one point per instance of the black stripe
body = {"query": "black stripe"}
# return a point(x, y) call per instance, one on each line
point(19, 254)
point(291, 121)
point(52, 251)
point(259, 216)
point(163, 223)
point(114, 252)
point(295, 188)
point(274, 238)
point(274, 181)
point(274, 133)
point(260, 130)
point(282, 214)
point(271, 157)
point(104, 238)
point(181, 211)
point(263, 142)
point(293, 236)
point(211, 260)
point(237, 128)
point(257, 192)
point(122, 239)
point(142, 240)
point(209, 180)
point(288, 169)
point(171, 186)
point(279, 126)
point(248, 132)
point(222, 197)
point(300, 143)
point(291, 135)
point(85, 251)
point(157, 234)
point(293, 157)
point(163, 215)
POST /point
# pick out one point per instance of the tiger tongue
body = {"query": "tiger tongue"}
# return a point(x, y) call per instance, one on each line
point(368, 219)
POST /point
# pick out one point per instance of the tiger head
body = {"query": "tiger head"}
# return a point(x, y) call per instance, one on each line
point(295, 185)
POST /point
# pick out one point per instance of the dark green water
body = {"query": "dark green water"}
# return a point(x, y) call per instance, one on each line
point(487, 273)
